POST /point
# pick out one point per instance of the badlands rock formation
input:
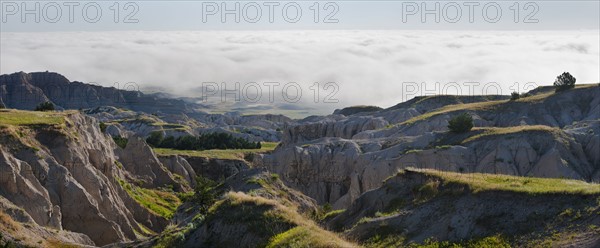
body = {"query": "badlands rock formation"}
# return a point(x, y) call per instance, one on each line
point(336, 158)
point(65, 177)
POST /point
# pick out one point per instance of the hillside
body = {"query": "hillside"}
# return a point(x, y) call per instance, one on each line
point(250, 209)
point(547, 134)
point(427, 206)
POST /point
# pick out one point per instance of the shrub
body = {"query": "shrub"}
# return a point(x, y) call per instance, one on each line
point(564, 81)
point(2, 106)
point(155, 139)
point(461, 123)
point(103, 127)
point(120, 141)
point(515, 96)
point(206, 193)
point(45, 106)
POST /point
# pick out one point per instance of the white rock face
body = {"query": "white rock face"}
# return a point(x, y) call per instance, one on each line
point(65, 178)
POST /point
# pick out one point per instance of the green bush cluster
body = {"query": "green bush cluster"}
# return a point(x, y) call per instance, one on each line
point(103, 127)
point(206, 141)
point(121, 142)
point(461, 123)
point(45, 106)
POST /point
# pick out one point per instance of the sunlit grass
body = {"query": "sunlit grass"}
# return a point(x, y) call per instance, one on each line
point(487, 182)
point(159, 202)
point(491, 131)
point(453, 108)
point(26, 118)
point(217, 153)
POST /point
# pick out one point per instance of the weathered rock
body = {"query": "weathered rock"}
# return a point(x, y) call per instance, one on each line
point(64, 178)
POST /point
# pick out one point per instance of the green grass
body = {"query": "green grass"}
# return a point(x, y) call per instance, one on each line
point(307, 236)
point(487, 242)
point(218, 154)
point(332, 214)
point(486, 182)
point(491, 131)
point(453, 108)
point(159, 202)
point(26, 118)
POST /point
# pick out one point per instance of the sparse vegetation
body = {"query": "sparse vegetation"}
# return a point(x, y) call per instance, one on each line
point(564, 82)
point(461, 123)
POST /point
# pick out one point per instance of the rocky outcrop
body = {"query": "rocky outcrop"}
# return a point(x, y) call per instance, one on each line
point(344, 128)
point(211, 168)
point(143, 164)
point(17, 226)
point(65, 177)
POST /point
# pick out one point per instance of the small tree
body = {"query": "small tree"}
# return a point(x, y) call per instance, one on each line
point(461, 123)
point(515, 96)
point(206, 193)
point(564, 81)
point(45, 106)
point(2, 106)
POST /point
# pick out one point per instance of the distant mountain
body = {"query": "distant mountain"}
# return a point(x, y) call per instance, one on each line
point(26, 90)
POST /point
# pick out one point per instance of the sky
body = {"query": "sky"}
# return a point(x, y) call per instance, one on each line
point(354, 53)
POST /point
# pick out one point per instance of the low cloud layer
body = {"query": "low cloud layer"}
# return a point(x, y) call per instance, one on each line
point(370, 67)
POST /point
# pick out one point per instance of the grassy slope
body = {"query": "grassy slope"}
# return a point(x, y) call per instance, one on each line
point(219, 154)
point(26, 118)
point(485, 105)
point(491, 131)
point(159, 202)
point(267, 216)
point(485, 182)
point(305, 233)
point(563, 222)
